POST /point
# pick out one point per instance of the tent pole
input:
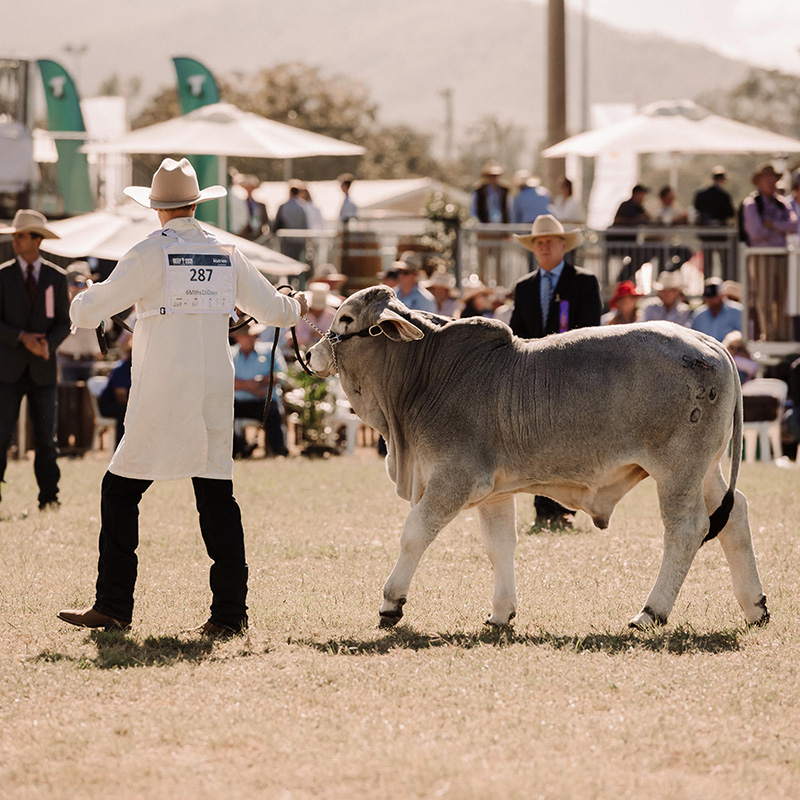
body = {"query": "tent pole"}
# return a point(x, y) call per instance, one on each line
point(287, 169)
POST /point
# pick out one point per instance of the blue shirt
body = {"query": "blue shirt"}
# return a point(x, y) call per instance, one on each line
point(729, 319)
point(418, 299)
point(531, 202)
point(251, 366)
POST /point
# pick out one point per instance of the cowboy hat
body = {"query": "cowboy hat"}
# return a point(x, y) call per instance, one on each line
point(669, 280)
point(765, 168)
point(317, 295)
point(31, 221)
point(251, 329)
point(491, 168)
point(548, 225)
point(174, 186)
point(442, 280)
point(327, 272)
point(624, 289)
point(472, 288)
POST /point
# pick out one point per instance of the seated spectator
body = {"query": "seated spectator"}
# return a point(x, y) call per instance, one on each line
point(442, 286)
point(388, 277)
point(409, 292)
point(320, 312)
point(631, 211)
point(717, 317)
point(668, 305)
point(113, 400)
point(251, 365)
point(327, 273)
point(745, 366)
point(476, 299)
point(532, 199)
point(623, 305)
point(567, 207)
point(669, 213)
point(733, 290)
point(77, 354)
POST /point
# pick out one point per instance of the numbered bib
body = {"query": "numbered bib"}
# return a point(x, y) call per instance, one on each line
point(199, 278)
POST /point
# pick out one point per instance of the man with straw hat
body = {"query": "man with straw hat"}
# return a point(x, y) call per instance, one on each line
point(179, 423)
point(554, 298)
point(34, 320)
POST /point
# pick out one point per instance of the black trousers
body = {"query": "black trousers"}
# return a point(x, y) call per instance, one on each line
point(42, 411)
point(220, 525)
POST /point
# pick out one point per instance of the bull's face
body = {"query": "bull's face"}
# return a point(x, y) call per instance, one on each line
point(366, 310)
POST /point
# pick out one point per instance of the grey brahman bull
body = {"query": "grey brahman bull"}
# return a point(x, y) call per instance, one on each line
point(472, 414)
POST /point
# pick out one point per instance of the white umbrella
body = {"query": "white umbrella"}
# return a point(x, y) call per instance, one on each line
point(675, 126)
point(222, 129)
point(110, 234)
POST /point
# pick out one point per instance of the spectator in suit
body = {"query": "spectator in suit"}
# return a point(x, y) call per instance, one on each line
point(292, 216)
point(554, 298)
point(34, 320)
point(713, 204)
point(490, 199)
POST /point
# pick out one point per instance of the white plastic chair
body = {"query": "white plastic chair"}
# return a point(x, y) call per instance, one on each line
point(102, 424)
point(768, 432)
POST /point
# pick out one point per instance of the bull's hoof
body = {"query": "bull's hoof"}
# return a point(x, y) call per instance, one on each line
point(493, 623)
point(647, 619)
point(390, 618)
point(761, 623)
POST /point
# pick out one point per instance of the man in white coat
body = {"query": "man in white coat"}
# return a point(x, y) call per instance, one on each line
point(179, 421)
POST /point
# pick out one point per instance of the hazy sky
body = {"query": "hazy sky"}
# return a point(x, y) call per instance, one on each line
point(764, 32)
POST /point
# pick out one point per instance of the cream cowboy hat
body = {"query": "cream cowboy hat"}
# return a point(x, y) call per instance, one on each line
point(442, 280)
point(548, 225)
point(669, 280)
point(174, 186)
point(472, 288)
point(31, 221)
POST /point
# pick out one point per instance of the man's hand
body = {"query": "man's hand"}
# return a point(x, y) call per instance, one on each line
point(36, 343)
point(301, 298)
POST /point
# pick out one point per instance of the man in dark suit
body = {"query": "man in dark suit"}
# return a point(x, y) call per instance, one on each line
point(554, 298)
point(34, 320)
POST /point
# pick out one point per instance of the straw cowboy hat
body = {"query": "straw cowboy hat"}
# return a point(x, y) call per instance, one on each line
point(765, 168)
point(669, 280)
point(317, 295)
point(548, 225)
point(442, 280)
point(472, 288)
point(624, 289)
point(491, 168)
point(174, 186)
point(31, 221)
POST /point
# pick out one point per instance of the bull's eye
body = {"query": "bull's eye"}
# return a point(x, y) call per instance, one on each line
point(345, 319)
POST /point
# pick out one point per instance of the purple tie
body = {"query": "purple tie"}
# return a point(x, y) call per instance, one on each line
point(30, 284)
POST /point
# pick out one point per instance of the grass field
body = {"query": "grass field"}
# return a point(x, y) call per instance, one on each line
point(317, 702)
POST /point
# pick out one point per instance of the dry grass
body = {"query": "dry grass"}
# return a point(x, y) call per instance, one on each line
point(317, 702)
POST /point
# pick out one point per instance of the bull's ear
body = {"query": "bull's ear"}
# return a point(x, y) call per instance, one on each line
point(398, 328)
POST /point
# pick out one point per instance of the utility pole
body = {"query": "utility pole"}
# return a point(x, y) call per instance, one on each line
point(447, 94)
point(556, 88)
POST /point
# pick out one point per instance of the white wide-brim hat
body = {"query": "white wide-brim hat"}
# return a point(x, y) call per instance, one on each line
point(31, 221)
point(174, 185)
point(548, 225)
point(669, 280)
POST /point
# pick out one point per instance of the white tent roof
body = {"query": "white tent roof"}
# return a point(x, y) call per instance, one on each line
point(374, 198)
point(110, 234)
point(674, 126)
point(222, 129)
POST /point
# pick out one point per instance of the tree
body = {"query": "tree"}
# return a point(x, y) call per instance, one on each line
point(298, 94)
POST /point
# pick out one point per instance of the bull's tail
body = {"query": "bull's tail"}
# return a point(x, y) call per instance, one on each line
point(719, 518)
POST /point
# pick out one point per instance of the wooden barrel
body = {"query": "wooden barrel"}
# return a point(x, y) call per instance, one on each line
point(361, 259)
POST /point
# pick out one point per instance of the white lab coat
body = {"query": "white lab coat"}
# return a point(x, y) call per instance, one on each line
point(179, 422)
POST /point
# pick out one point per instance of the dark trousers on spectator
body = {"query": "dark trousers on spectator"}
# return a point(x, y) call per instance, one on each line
point(220, 525)
point(254, 409)
point(42, 412)
point(549, 509)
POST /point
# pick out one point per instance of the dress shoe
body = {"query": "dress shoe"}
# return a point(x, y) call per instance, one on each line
point(89, 618)
point(218, 631)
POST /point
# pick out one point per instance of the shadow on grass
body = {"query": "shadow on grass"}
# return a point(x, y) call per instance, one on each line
point(117, 650)
point(677, 641)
